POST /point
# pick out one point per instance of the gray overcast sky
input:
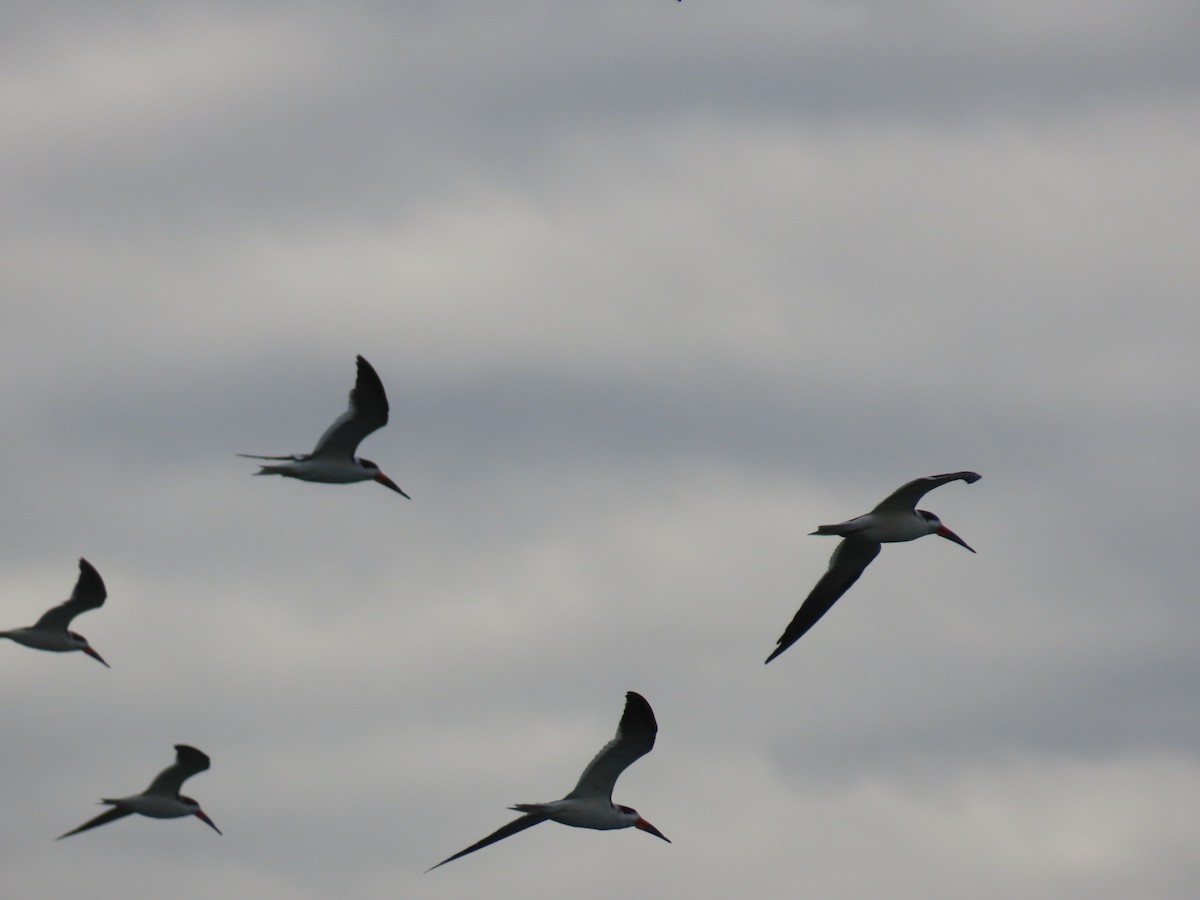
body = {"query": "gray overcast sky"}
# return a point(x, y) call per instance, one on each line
point(655, 289)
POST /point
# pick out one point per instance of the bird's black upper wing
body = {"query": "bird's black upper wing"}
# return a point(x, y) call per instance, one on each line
point(526, 821)
point(368, 412)
point(89, 593)
point(188, 761)
point(907, 497)
point(849, 559)
point(103, 819)
point(634, 739)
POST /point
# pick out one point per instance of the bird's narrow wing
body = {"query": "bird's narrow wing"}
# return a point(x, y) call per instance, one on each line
point(849, 559)
point(103, 819)
point(89, 593)
point(906, 498)
point(368, 412)
point(635, 738)
point(188, 761)
point(526, 821)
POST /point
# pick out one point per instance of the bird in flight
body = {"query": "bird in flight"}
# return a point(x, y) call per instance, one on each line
point(51, 631)
point(162, 799)
point(589, 805)
point(894, 519)
point(333, 461)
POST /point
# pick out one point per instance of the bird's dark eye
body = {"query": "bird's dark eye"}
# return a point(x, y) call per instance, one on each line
point(627, 809)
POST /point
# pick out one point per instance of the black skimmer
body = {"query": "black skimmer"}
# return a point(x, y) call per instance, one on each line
point(894, 519)
point(332, 460)
point(590, 804)
point(162, 799)
point(50, 632)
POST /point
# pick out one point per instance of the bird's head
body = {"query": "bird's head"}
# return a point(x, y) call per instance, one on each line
point(936, 527)
point(83, 645)
point(198, 812)
point(380, 477)
point(641, 824)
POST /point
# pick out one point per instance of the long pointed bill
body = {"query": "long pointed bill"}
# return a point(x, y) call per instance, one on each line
point(387, 482)
point(949, 535)
point(207, 821)
point(96, 656)
point(647, 827)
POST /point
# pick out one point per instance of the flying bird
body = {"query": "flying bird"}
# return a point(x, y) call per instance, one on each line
point(894, 519)
point(332, 460)
point(162, 799)
point(590, 804)
point(50, 632)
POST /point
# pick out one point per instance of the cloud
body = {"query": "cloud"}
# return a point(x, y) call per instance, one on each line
point(655, 289)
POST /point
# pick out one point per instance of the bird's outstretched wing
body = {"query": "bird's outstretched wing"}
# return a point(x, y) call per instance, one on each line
point(188, 761)
point(103, 819)
point(907, 497)
point(850, 558)
point(368, 412)
point(635, 738)
point(526, 821)
point(89, 593)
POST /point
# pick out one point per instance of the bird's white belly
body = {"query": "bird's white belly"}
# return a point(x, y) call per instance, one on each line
point(155, 807)
point(587, 815)
point(890, 530)
point(56, 642)
point(907, 529)
point(324, 471)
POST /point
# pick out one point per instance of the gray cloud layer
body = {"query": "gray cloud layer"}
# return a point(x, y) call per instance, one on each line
point(655, 289)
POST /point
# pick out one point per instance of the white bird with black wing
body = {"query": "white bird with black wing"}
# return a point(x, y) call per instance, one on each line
point(52, 632)
point(162, 799)
point(333, 461)
point(590, 804)
point(894, 519)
